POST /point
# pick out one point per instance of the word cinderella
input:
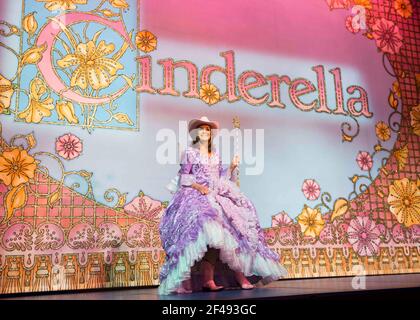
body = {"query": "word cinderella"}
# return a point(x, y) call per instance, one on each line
point(251, 79)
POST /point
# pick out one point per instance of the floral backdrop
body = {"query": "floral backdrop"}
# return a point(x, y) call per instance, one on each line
point(56, 237)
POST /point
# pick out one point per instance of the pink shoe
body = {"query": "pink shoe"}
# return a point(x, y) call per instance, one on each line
point(247, 286)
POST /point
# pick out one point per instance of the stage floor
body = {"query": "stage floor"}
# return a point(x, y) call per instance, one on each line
point(283, 289)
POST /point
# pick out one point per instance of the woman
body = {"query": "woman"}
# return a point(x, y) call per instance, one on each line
point(209, 222)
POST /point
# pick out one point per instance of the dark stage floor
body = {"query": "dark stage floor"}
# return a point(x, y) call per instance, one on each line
point(283, 289)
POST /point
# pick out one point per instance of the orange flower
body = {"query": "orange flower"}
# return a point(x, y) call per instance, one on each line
point(404, 201)
point(403, 8)
point(93, 66)
point(310, 221)
point(16, 167)
point(209, 94)
point(6, 93)
point(146, 41)
point(383, 132)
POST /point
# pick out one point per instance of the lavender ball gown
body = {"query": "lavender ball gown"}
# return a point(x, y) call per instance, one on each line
point(223, 219)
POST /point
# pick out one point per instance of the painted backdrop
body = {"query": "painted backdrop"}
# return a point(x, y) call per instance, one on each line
point(87, 86)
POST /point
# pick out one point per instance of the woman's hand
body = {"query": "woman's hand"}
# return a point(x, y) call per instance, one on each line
point(235, 163)
point(202, 188)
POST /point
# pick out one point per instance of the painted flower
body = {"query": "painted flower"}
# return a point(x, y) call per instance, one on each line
point(65, 110)
point(68, 146)
point(93, 68)
point(209, 94)
point(54, 5)
point(383, 132)
point(401, 155)
point(119, 4)
point(404, 201)
point(281, 219)
point(387, 36)
point(40, 102)
point(403, 8)
point(146, 41)
point(6, 93)
point(311, 189)
point(364, 236)
point(364, 160)
point(310, 221)
point(415, 119)
point(16, 167)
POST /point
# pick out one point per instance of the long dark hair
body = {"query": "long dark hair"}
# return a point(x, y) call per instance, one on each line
point(197, 139)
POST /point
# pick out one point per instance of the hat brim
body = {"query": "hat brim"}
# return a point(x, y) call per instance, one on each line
point(196, 123)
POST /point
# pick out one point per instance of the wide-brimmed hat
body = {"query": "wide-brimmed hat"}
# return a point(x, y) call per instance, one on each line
point(196, 123)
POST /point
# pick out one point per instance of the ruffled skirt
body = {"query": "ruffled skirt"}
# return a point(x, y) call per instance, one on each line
point(224, 219)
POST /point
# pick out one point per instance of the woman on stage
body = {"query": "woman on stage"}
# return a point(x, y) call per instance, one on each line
point(209, 222)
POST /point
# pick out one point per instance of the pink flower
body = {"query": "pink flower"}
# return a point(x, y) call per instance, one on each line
point(387, 36)
point(350, 26)
point(363, 235)
point(281, 220)
point(68, 146)
point(311, 189)
point(364, 160)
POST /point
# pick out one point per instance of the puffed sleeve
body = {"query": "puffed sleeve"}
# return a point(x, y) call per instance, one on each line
point(185, 174)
